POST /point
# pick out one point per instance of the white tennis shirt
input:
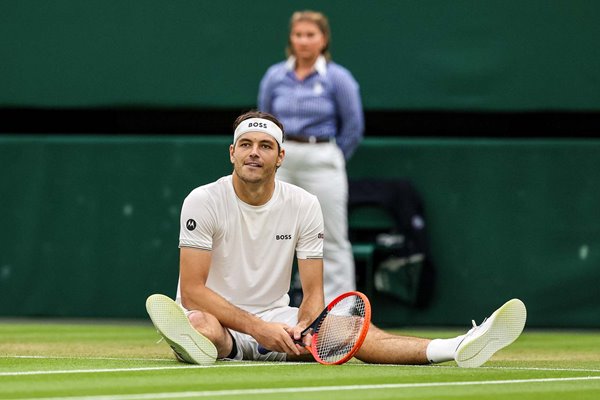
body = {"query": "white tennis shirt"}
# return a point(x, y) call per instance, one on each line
point(252, 246)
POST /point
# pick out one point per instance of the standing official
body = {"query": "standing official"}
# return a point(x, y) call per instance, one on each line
point(318, 102)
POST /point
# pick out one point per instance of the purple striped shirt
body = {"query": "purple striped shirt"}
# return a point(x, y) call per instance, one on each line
point(325, 104)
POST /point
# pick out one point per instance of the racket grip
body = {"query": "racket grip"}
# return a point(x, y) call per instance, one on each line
point(263, 351)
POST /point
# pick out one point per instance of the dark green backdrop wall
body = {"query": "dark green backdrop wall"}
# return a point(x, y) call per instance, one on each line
point(436, 54)
point(89, 225)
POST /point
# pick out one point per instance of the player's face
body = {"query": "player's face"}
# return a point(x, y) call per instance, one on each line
point(255, 157)
point(307, 40)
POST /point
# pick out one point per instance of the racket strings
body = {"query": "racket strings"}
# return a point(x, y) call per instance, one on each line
point(340, 329)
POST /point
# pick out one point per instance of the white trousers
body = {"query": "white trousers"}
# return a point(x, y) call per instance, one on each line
point(320, 169)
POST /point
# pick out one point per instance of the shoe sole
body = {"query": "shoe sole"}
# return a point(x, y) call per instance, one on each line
point(505, 326)
point(172, 323)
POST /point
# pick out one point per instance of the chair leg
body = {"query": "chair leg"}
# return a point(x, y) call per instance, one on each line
point(369, 287)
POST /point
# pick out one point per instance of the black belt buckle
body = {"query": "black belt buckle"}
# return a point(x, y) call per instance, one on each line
point(308, 139)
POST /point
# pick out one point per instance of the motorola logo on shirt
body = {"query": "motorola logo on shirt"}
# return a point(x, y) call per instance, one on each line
point(190, 224)
point(283, 237)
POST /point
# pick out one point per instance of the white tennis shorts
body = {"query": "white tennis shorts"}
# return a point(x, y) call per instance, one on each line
point(247, 346)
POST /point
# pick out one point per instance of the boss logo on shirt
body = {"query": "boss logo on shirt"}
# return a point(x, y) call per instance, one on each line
point(190, 224)
point(257, 125)
point(283, 237)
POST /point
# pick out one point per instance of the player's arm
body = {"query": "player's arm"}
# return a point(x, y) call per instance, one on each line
point(194, 268)
point(311, 278)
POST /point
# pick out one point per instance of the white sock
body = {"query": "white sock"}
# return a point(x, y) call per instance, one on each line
point(440, 350)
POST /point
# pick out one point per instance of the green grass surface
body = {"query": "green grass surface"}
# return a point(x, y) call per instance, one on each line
point(124, 362)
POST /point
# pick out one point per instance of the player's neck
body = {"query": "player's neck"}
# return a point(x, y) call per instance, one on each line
point(253, 193)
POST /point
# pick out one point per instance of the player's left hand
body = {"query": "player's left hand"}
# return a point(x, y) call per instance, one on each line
point(296, 334)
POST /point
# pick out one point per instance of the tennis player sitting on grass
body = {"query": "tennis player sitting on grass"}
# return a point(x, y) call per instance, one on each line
point(237, 241)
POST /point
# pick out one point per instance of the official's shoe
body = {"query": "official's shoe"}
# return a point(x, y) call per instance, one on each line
point(496, 332)
point(171, 322)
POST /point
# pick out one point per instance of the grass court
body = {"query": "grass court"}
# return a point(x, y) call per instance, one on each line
point(123, 361)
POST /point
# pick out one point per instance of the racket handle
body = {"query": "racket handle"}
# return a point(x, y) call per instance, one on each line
point(263, 351)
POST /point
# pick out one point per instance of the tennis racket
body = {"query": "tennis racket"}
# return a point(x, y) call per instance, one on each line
point(339, 331)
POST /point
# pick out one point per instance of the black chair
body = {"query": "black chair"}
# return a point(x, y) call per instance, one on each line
point(386, 223)
point(365, 223)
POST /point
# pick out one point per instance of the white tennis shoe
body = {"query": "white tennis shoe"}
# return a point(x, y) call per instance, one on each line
point(496, 332)
point(171, 322)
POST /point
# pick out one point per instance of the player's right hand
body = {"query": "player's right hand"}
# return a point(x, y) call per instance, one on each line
point(276, 337)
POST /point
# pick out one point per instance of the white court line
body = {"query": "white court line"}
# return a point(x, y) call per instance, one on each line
point(173, 360)
point(250, 364)
point(100, 370)
point(253, 363)
point(248, 392)
point(544, 369)
point(498, 367)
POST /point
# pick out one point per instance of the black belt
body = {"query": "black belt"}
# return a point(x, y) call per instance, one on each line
point(308, 139)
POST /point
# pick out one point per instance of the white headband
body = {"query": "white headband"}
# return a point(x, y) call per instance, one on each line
point(258, 125)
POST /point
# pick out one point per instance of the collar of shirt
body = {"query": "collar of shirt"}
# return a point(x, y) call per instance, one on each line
point(320, 65)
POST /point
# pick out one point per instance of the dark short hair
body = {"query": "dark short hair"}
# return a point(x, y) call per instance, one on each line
point(259, 114)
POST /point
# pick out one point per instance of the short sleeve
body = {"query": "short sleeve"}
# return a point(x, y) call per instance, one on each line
point(197, 221)
point(310, 242)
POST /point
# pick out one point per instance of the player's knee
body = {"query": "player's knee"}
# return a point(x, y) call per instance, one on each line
point(206, 324)
point(209, 326)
